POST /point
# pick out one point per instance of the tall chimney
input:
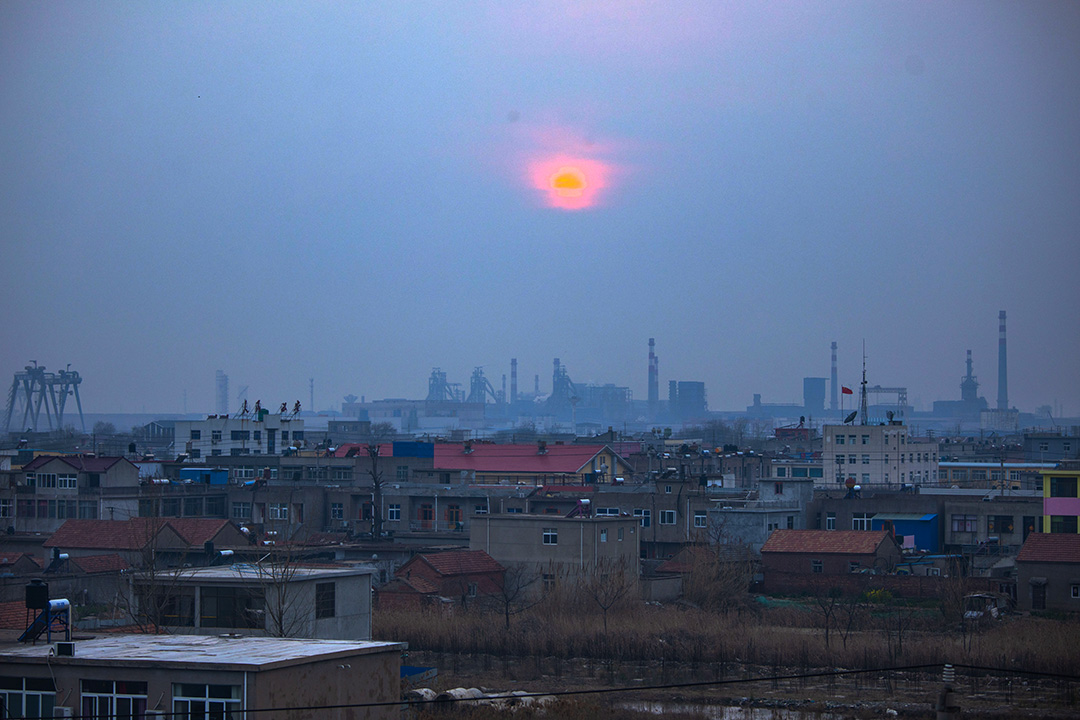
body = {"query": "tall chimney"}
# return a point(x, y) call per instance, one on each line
point(654, 378)
point(1003, 371)
point(536, 385)
point(834, 403)
point(513, 380)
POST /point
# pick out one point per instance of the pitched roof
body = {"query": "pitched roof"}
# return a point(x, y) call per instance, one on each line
point(843, 542)
point(1050, 547)
point(462, 562)
point(82, 463)
point(131, 534)
point(402, 584)
point(519, 458)
point(101, 564)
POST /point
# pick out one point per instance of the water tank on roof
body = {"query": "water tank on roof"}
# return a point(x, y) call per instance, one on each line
point(37, 595)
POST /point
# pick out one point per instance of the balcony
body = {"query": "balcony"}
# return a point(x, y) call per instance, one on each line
point(460, 526)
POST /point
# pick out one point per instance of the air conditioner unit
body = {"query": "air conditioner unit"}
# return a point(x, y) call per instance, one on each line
point(63, 712)
point(65, 649)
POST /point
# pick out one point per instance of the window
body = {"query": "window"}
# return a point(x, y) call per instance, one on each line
point(108, 698)
point(480, 510)
point(964, 523)
point(790, 522)
point(237, 435)
point(549, 581)
point(343, 474)
point(279, 511)
point(667, 517)
point(999, 524)
point(620, 534)
point(839, 439)
point(851, 439)
point(865, 439)
point(46, 480)
point(667, 489)
point(778, 488)
point(1059, 486)
point(1044, 446)
point(830, 521)
point(284, 436)
point(603, 535)
point(866, 478)
point(853, 566)
point(644, 515)
point(781, 472)
point(192, 701)
point(514, 510)
point(840, 460)
point(393, 512)
point(1063, 524)
point(816, 566)
point(1074, 592)
point(551, 536)
point(861, 521)
point(6, 508)
point(978, 474)
point(865, 459)
point(231, 607)
point(257, 436)
point(196, 453)
point(27, 697)
point(402, 473)
point(800, 472)
point(241, 510)
point(298, 435)
point(607, 512)
point(215, 436)
point(196, 434)
point(473, 590)
point(701, 519)
point(851, 459)
point(325, 600)
point(337, 511)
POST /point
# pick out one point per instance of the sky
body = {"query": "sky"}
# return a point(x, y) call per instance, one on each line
point(361, 192)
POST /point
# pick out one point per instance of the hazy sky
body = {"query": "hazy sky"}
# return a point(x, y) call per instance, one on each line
point(360, 192)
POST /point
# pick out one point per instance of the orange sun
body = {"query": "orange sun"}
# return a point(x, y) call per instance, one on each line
point(569, 183)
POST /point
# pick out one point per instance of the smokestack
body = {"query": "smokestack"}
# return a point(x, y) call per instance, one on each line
point(536, 385)
point(834, 403)
point(654, 377)
point(1003, 372)
point(513, 380)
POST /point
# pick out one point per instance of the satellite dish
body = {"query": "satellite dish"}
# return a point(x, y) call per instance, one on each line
point(851, 417)
point(889, 415)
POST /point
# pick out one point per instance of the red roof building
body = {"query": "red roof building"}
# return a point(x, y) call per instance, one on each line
point(457, 575)
point(789, 557)
point(1048, 572)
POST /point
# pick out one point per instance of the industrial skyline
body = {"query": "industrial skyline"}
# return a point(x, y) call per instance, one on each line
point(354, 195)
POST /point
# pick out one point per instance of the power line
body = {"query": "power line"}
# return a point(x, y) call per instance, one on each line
point(619, 689)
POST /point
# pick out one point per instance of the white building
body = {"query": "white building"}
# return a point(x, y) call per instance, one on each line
point(259, 433)
point(877, 455)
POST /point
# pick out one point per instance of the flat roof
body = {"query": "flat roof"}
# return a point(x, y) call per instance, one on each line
point(197, 651)
point(251, 571)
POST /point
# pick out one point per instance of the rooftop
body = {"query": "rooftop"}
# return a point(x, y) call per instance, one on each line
point(223, 653)
point(855, 542)
point(1050, 547)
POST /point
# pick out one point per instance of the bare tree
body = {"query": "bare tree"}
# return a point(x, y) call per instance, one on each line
point(514, 594)
point(285, 606)
point(151, 592)
point(376, 491)
point(608, 584)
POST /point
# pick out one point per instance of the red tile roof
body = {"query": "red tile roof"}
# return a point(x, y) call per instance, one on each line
point(100, 564)
point(462, 562)
point(405, 584)
point(824, 542)
point(1050, 547)
point(13, 616)
point(131, 534)
point(558, 459)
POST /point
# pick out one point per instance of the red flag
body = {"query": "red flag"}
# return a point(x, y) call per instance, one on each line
point(846, 390)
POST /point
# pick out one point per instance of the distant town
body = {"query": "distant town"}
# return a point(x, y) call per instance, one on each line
point(174, 551)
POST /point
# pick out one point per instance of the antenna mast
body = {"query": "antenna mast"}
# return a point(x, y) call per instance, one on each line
point(862, 398)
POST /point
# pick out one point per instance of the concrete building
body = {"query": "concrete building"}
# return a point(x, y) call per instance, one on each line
point(559, 548)
point(278, 599)
point(254, 433)
point(52, 489)
point(189, 677)
point(877, 455)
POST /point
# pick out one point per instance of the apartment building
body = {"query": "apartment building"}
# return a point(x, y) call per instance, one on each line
point(877, 455)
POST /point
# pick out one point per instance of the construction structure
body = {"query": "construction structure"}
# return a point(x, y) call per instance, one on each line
point(33, 388)
point(834, 388)
point(654, 380)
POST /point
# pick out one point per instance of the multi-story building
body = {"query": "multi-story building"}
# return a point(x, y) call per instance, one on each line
point(1061, 499)
point(254, 433)
point(51, 489)
point(877, 455)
